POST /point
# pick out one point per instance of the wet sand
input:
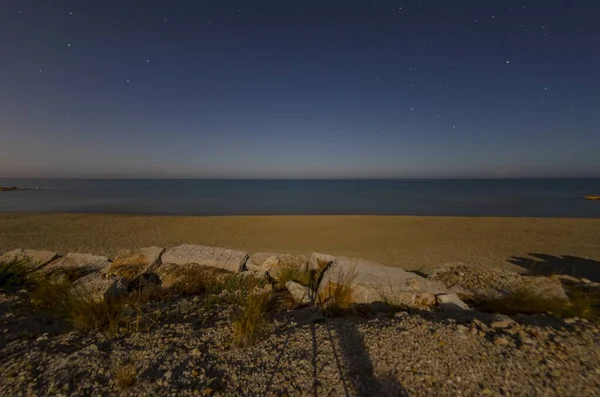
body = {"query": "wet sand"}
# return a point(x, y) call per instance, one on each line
point(413, 243)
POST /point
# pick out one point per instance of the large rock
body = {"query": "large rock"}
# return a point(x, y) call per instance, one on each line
point(33, 259)
point(449, 302)
point(99, 287)
point(264, 261)
point(78, 263)
point(222, 258)
point(300, 293)
point(319, 261)
point(371, 282)
point(276, 264)
point(132, 263)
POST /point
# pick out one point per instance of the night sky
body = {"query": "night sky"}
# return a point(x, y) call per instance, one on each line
point(325, 89)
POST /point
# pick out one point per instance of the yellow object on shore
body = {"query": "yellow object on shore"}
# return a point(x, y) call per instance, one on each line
point(592, 197)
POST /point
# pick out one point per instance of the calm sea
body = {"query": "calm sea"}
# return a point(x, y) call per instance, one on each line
point(530, 198)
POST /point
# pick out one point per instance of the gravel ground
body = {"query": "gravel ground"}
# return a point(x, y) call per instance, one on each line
point(188, 352)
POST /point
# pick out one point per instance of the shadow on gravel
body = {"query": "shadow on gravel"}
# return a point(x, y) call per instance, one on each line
point(358, 365)
point(549, 264)
point(349, 357)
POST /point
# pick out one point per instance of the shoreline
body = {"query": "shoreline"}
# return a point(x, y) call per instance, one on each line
point(418, 243)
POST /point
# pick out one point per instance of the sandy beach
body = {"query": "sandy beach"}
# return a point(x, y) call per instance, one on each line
point(413, 243)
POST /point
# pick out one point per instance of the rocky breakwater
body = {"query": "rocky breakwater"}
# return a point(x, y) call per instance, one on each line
point(321, 280)
point(14, 189)
point(316, 281)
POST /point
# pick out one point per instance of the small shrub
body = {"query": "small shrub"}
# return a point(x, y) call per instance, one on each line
point(250, 323)
point(13, 274)
point(125, 375)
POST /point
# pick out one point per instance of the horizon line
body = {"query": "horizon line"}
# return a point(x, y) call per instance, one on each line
point(302, 178)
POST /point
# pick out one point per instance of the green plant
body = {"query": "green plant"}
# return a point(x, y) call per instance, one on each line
point(250, 322)
point(13, 274)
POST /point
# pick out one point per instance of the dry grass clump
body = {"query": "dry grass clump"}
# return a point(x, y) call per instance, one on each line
point(13, 274)
point(51, 295)
point(129, 267)
point(234, 289)
point(250, 322)
point(299, 275)
point(115, 317)
point(580, 304)
point(336, 296)
point(131, 260)
point(83, 311)
point(125, 375)
point(190, 279)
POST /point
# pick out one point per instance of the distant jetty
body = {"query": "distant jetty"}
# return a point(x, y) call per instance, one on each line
point(592, 198)
point(14, 189)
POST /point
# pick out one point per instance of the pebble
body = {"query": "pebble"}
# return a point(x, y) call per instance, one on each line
point(501, 321)
point(196, 353)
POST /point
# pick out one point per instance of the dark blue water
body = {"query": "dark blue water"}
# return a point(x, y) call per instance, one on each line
point(517, 198)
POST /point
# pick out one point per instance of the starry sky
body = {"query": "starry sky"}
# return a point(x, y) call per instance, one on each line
point(300, 88)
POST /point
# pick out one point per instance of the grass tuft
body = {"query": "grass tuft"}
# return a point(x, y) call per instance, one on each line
point(13, 274)
point(84, 312)
point(250, 322)
point(336, 297)
point(125, 375)
point(299, 275)
point(193, 280)
point(234, 289)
